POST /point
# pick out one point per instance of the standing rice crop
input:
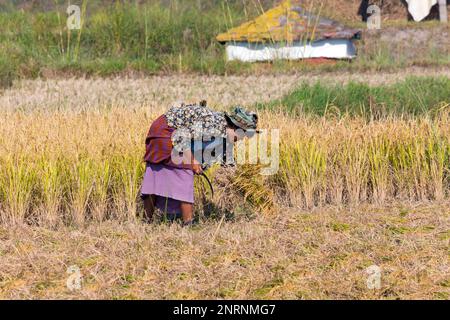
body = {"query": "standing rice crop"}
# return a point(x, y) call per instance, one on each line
point(75, 166)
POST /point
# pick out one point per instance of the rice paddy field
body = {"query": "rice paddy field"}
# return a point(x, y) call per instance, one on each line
point(362, 180)
point(355, 187)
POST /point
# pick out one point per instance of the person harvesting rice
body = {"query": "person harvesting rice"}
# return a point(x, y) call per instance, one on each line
point(181, 143)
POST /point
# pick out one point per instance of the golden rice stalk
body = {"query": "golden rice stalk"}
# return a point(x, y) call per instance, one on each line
point(17, 183)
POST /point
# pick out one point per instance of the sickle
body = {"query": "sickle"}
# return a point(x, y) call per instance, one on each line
point(209, 183)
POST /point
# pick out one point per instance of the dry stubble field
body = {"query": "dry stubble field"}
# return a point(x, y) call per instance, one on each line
point(59, 135)
point(318, 254)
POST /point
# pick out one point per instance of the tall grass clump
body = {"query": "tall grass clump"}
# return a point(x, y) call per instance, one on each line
point(117, 36)
point(352, 161)
point(51, 190)
point(17, 184)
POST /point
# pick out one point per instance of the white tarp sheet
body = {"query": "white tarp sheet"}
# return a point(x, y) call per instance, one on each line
point(252, 52)
point(420, 9)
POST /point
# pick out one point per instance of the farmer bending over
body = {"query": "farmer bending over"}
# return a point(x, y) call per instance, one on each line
point(176, 149)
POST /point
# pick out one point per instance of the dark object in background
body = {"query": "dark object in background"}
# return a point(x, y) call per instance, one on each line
point(365, 4)
point(362, 11)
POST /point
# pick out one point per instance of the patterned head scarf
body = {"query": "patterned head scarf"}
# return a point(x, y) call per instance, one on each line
point(245, 120)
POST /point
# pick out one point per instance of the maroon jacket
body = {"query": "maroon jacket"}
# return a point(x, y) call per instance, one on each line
point(158, 144)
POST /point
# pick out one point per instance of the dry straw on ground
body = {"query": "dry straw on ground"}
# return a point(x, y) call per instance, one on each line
point(156, 93)
point(320, 254)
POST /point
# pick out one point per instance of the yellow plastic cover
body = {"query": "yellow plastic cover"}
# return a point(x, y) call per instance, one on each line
point(288, 22)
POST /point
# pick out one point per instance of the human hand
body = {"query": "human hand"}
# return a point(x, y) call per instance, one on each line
point(197, 168)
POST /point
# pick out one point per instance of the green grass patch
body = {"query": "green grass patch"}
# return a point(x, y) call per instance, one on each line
point(156, 37)
point(414, 96)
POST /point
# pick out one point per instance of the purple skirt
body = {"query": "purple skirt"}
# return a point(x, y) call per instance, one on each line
point(170, 185)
